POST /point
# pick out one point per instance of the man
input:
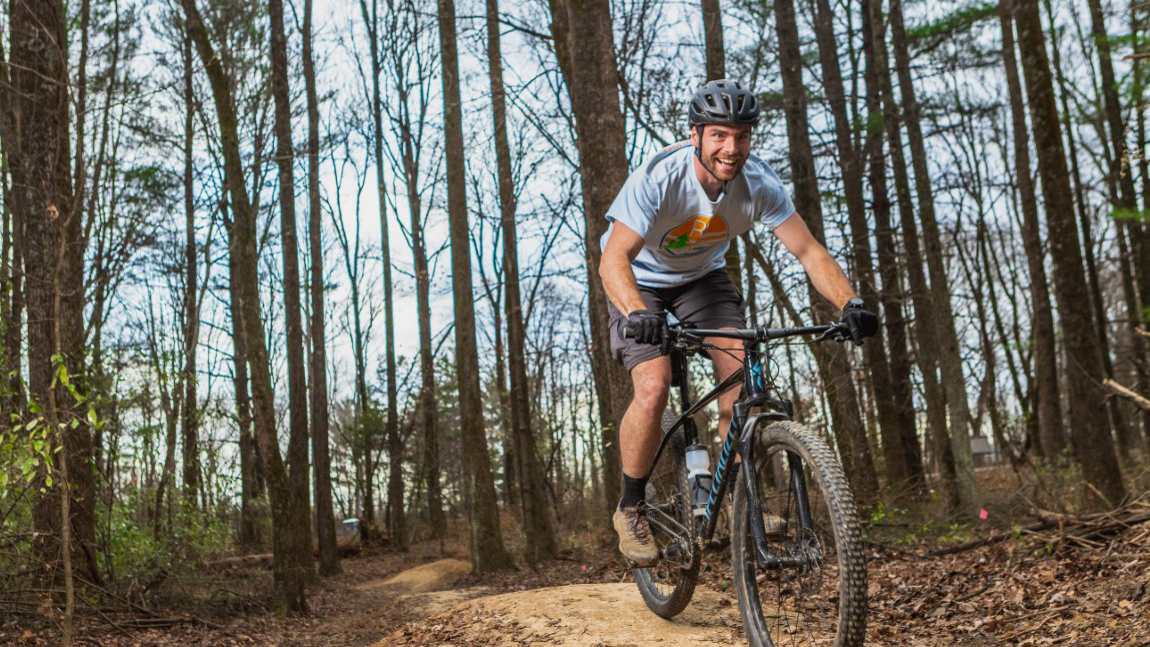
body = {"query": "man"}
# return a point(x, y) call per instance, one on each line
point(671, 225)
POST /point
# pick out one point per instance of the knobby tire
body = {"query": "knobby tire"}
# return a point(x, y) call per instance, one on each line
point(801, 603)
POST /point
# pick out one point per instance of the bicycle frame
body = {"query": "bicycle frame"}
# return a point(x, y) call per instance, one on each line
point(756, 393)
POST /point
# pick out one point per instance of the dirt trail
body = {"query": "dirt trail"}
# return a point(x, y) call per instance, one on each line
point(428, 589)
point(422, 579)
point(579, 614)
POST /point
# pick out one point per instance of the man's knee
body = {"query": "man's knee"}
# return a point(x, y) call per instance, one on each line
point(651, 382)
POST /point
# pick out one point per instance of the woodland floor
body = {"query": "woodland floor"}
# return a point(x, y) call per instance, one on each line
point(1064, 584)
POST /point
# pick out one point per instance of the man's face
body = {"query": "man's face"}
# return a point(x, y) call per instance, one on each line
point(723, 148)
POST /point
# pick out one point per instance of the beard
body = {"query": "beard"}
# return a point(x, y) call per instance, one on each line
point(722, 171)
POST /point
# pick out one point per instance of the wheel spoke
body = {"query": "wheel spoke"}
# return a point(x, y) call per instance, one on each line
point(668, 586)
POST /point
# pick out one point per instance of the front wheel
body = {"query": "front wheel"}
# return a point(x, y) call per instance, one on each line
point(668, 586)
point(818, 595)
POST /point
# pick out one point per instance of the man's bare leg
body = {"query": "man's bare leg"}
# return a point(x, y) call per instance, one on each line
point(641, 428)
point(639, 436)
point(725, 364)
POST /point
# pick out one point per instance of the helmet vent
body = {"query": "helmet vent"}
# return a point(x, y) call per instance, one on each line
point(723, 101)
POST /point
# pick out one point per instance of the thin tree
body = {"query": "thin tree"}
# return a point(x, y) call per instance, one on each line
point(1135, 264)
point(11, 254)
point(189, 414)
point(584, 47)
point(291, 542)
point(394, 446)
point(411, 69)
point(907, 466)
point(716, 64)
point(538, 526)
point(927, 346)
point(851, 162)
point(833, 363)
point(293, 317)
point(486, 540)
point(946, 334)
point(1089, 435)
point(1050, 430)
point(317, 335)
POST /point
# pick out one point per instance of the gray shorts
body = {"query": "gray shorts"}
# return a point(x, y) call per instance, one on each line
point(711, 301)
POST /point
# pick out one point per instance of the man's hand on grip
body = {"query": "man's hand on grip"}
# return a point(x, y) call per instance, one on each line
point(861, 322)
point(645, 327)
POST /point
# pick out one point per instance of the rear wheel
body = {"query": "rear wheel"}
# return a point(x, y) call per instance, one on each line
point(668, 586)
point(819, 598)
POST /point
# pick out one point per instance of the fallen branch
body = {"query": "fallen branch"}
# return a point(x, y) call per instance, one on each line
point(1082, 530)
point(1123, 392)
point(263, 560)
point(994, 538)
point(160, 623)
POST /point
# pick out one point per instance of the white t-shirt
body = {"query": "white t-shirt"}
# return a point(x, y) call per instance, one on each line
point(687, 233)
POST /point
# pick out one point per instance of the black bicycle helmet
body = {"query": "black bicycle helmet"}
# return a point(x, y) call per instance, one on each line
point(723, 102)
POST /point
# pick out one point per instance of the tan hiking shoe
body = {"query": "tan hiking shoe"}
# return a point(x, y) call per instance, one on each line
point(635, 541)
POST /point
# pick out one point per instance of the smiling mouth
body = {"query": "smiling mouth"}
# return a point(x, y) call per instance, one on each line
point(726, 163)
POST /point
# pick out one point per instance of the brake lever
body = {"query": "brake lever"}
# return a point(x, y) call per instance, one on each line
point(682, 342)
point(837, 332)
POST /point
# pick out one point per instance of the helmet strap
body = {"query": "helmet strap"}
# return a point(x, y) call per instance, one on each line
point(699, 156)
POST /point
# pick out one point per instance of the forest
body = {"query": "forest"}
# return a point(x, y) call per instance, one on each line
point(304, 340)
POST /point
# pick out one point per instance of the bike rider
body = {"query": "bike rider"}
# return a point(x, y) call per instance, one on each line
point(671, 225)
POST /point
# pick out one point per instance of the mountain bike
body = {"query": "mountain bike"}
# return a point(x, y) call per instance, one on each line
point(796, 549)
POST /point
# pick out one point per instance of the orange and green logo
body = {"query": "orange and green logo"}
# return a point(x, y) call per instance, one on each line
point(694, 235)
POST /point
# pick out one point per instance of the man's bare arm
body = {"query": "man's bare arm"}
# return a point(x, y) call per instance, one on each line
point(623, 245)
point(825, 273)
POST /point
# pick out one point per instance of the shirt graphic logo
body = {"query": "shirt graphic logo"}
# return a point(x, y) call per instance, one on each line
point(694, 235)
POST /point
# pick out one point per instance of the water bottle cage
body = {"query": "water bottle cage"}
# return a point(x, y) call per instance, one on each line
point(700, 487)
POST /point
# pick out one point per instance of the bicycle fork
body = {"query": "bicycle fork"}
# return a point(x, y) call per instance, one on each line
point(746, 449)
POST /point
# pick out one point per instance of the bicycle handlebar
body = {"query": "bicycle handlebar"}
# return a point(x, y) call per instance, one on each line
point(837, 332)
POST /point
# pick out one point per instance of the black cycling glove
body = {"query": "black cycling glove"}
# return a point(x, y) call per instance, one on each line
point(645, 327)
point(861, 322)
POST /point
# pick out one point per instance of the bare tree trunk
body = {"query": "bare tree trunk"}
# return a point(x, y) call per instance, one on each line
point(299, 470)
point(1126, 199)
point(189, 418)
point(411, 143)
point(1049, 410)
point(43, 201)
point(317, 360)
point(394, 445)
point(924, 312)
point(950, 356)
point(168, 473)
point(251, 471)
point(487, 550)
point(851, 163)
point(510, 461)
point(13, 271)
point(902, 452)
point(584, 47)
point(1137, 90)
point(1089, 435)
point(251, 475)
point(290, 536)
point(834, 365)
point(537, 514)
point(986, 277)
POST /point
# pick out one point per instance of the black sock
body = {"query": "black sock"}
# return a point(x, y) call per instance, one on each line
point(634, 491)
